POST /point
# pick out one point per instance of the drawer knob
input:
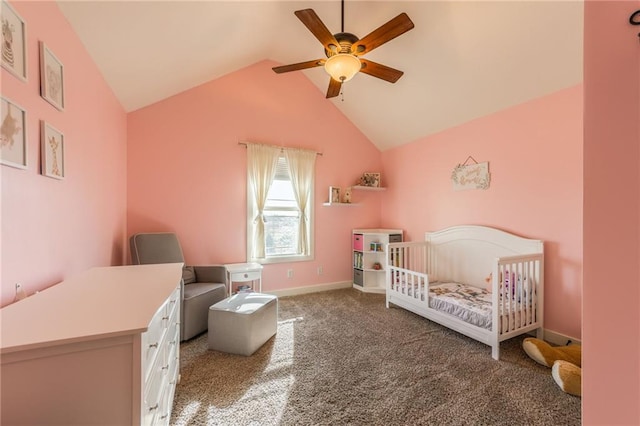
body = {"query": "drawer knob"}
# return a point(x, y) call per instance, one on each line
point(155, 407)
point(246, 275)
point(153, 345)
point(165, 318)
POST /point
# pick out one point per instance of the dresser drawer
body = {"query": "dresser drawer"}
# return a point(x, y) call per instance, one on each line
point(245, 276)
point(152, 397)
point(152, 339)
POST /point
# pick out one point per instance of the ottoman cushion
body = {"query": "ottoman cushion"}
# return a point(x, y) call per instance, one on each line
point(240, 324)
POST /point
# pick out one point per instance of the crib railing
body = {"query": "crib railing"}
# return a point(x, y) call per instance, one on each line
point(518, 292)
point(407, 270)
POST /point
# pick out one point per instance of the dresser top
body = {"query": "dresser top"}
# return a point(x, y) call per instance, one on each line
point(97, 303)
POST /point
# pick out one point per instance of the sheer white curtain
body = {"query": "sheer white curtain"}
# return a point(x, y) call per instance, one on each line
point(301, 166)
point(261, 169)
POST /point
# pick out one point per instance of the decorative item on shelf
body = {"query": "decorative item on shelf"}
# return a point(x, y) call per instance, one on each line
point(375, 246)
point(471, 175)
point(346, 198)
point(377, 266)
point(369, 179)
point(334, 194)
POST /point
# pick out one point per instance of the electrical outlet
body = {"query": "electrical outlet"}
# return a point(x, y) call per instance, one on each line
point(319, 270)
point(20, 293)
point(289, 273)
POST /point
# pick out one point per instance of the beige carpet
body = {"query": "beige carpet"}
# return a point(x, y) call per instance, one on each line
point(342, 358)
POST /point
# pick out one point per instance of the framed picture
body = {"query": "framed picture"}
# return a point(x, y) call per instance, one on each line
point(14, 46)
point(51, 78)
point(334, 194)
point(371, 179)
point(13, 135)
point(52, 151)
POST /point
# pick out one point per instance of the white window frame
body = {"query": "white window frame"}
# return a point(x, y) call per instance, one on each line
point(251, 214)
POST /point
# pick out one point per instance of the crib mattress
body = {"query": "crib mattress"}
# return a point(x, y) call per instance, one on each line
point(470, 304)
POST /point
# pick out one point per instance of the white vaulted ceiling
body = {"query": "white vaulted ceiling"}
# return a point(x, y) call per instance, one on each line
point(463, 59)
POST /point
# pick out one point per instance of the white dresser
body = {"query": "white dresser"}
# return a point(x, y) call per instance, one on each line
point(98, 348)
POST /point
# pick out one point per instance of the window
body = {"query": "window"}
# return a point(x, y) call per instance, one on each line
point(281, 214)
point(282, 232)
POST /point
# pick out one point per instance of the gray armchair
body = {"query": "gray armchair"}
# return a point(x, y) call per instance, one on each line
point(202, 286)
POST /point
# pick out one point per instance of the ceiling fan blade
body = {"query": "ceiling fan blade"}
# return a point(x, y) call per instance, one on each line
point(317, 27)
point(381, 71)
point(334, 88)
point(392, 29)
point(298, 66)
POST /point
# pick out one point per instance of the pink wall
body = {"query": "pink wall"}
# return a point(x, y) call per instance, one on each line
point(54, 228)
point(187, 173)
point(611, 289)
point(535, 160)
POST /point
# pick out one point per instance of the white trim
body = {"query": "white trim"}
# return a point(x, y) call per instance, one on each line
point(559, 339)
point(310, 289)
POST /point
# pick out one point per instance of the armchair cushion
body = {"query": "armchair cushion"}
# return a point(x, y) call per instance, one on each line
point(210, 274)
point(188, 275)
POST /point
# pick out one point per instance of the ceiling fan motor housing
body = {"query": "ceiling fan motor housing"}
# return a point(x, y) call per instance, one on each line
point(345, 40)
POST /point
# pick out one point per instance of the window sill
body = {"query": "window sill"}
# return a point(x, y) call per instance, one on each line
point(282, 259)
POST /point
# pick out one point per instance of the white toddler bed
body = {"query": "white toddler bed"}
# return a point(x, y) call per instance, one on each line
point(444, 279)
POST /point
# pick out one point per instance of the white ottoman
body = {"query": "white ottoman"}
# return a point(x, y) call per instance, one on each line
point(240, 324)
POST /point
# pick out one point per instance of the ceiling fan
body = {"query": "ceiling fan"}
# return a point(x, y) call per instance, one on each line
point(344, 50)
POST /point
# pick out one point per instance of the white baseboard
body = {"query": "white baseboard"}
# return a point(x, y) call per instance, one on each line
point(310, 289)
point(559, 339)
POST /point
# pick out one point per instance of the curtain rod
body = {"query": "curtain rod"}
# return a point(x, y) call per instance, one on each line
point(281, 147)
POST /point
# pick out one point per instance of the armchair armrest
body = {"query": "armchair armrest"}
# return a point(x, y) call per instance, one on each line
point(211, 274)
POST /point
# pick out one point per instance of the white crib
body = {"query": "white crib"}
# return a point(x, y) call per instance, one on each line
point(443, 280)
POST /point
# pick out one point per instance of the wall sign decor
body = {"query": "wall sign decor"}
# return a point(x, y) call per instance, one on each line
point(13, 135)
point(14, 46)
point(52, 151)
point(51, 78)
point(471, 175)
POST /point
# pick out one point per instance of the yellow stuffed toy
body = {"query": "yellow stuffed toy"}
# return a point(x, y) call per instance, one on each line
point(565, 363)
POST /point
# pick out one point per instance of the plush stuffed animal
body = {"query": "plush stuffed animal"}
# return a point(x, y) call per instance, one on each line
point(565, 362)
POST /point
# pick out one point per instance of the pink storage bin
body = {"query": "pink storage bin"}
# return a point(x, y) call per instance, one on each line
point(358, 242)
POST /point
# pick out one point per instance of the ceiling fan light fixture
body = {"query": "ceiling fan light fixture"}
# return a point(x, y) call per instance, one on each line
point(342, 67)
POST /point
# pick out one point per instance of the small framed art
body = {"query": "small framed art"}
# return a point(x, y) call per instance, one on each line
point(51, 78)
point(334, 194)
point(52, 151)
point(14, 46)
point(13, 135)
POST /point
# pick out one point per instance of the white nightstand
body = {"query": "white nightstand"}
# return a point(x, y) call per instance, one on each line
point(241, 273)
